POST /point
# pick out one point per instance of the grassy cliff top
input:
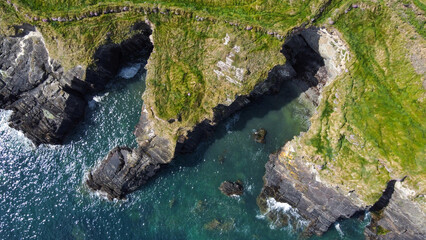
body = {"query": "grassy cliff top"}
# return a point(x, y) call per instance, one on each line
point(369, 127)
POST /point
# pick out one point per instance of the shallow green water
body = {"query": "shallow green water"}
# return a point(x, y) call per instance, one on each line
point(42, 195)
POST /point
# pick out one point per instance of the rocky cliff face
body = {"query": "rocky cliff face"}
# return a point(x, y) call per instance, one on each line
point(46, 100)
point(293, 179)
point(396, 215)
point(290, 180)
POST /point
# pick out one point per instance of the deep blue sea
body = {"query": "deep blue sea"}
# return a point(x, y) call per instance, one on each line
point(43, 195)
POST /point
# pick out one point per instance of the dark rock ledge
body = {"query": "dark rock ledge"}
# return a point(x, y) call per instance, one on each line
point(395, 216)
point(46, 101)
point(292, 182)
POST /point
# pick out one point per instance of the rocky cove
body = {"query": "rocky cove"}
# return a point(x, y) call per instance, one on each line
point(309, 66)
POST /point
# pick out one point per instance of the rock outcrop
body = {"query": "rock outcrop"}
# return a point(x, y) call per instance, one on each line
point(396, 216)
point(260, 135)
point(232, 188)
point(290, 181)
point(121, 163)
point(47, 101)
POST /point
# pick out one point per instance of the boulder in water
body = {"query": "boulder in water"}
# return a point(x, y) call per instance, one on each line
point(232, 188)
point(259, 135)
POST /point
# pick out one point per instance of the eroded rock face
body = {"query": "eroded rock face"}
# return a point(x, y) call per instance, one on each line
point(290, 181)
point(46, 101)
point(122, 171)
point(400, 218)
point(232, 188)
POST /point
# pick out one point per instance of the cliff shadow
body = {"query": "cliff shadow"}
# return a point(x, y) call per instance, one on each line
point(107, 72)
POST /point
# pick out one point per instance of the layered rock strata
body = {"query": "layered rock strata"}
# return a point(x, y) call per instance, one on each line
point(46, 100)
point(396, 216)
point(290, 180)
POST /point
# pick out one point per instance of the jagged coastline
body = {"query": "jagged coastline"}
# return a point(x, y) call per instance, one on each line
point(51, 101)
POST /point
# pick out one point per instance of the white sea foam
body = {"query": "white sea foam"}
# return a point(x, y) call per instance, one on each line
point(275, 206)
point(250, 188)
point(99, 98)
point(130, 71)
point(12, 136)
point(339, 230)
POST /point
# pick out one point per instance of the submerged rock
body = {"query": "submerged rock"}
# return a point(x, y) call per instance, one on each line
point(232, 188)
point(217, 225)
point(259, 135)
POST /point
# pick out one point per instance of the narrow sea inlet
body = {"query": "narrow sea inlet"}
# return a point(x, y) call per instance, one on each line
point(43, 195)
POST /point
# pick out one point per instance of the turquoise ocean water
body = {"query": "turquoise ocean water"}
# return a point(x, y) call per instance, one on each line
point(42, 195)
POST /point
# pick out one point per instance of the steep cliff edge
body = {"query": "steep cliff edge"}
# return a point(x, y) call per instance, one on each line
point(47, 101)
point(291, 179)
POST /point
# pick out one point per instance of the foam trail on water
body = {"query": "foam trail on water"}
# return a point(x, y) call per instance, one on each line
point(273, 206)
point(339, 230)
point(99, 98)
